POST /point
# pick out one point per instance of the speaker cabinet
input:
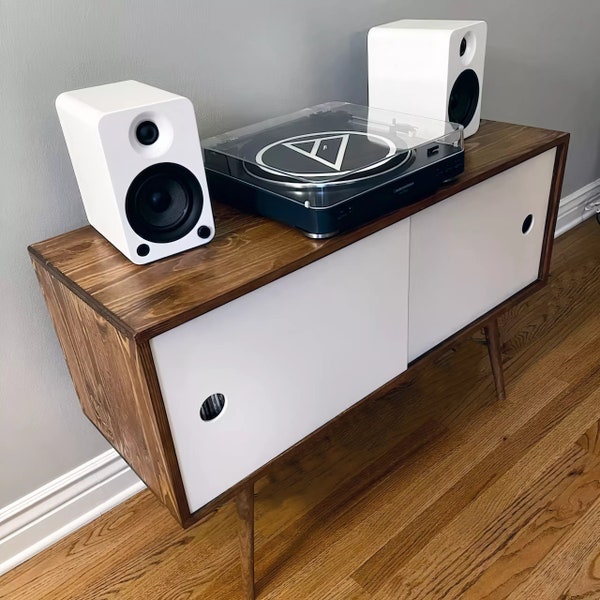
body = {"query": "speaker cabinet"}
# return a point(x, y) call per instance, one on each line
point(429, 68)
point(138, 162)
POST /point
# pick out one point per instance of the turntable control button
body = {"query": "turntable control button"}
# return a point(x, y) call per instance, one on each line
point(433, 150)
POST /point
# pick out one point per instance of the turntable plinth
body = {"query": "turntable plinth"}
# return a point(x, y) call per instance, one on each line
point(282, 333)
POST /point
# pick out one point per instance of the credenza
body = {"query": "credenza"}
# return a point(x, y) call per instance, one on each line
point(203, 368)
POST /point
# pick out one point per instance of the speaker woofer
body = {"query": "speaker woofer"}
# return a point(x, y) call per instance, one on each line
point(164, 202)
point(464, 98)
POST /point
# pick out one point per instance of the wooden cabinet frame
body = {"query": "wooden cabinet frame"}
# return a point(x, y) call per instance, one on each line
point(106, 310)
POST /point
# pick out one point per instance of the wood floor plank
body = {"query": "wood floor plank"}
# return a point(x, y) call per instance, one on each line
point(346, 590)
point(114, 558)
point(445, 464)
point(590, 440)
point(530, 545)
point(394, 502)
point(586, 583)
point(455, 557)
point(406, 542)
point(552, 578)
point(410, 539)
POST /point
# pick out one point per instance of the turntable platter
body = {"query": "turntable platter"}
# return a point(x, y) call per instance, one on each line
point(325, 158)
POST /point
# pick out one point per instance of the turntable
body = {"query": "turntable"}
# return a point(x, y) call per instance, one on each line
point(334, 166)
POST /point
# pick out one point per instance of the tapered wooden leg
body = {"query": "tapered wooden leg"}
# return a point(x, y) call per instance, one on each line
point(492, 334)
point(245, 508)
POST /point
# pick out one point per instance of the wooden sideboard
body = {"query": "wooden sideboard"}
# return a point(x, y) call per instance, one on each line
point(285, 333)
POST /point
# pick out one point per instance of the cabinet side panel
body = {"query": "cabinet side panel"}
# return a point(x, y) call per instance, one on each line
point(109, 374)
point(476, 249)
point(287, 358)
point(560, 162)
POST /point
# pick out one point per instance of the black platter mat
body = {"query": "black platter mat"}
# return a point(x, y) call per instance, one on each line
point(323, 149)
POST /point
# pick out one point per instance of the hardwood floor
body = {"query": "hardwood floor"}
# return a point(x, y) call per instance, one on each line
point(435, 490)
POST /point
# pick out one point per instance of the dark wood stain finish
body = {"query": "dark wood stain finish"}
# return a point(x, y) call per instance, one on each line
point(249, 251)
point(244, 502)
point(118, 392)
point(560, 162)
point(492, 334)
point(106, 309)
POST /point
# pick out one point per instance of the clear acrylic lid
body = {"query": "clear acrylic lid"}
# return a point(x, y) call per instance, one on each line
point(331, 141)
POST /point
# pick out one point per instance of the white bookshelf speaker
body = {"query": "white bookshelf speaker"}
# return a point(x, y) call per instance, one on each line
point(138, 162)
point(429, 68)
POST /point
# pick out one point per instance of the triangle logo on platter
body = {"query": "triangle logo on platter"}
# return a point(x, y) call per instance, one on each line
point(329, 150)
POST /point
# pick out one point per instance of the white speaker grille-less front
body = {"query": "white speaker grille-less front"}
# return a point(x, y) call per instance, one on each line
point(429, 68)
point(138, 162)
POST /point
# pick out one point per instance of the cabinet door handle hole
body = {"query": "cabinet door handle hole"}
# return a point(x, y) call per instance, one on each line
point(212, 407)
point(527, 224)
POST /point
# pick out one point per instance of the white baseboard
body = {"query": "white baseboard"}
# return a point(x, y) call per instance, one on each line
point(571, 210)
point(58, 508)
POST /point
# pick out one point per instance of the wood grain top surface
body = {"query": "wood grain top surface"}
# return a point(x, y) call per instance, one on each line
point(247, 251)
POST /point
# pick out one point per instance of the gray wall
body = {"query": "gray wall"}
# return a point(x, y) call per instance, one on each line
point(239, 62)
